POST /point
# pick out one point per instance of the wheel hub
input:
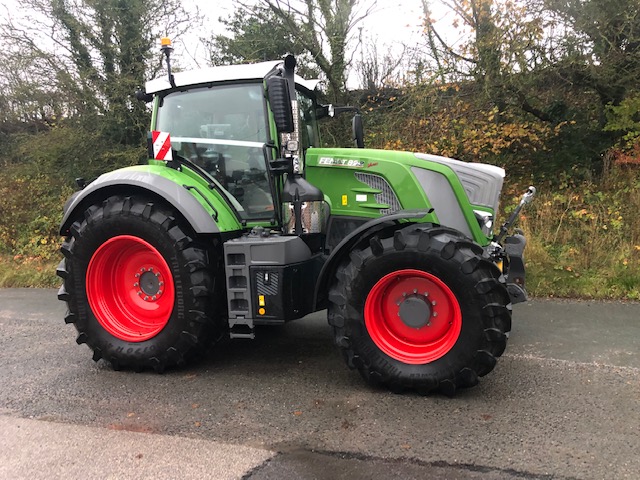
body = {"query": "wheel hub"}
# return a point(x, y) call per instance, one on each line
point(415, 311)
point(412, 316)
point(149, 284)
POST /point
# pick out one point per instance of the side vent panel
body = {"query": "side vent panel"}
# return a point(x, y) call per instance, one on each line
point(386, 196)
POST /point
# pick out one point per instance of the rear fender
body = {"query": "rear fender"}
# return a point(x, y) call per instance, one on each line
point(343, 249)
point(127, 181)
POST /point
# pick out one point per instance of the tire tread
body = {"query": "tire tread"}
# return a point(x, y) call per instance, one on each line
point(487, 286)
point(201, 327)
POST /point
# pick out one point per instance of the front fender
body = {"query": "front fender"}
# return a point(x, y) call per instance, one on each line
point(346, 245)
point(135, 180)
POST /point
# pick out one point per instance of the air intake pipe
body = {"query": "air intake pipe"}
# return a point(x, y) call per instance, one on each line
point(291, 141)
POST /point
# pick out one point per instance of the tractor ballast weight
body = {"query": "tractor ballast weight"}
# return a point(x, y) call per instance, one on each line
point(250, 221)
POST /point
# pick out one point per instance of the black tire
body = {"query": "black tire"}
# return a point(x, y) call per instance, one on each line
point(456, 269)
point(190, 320)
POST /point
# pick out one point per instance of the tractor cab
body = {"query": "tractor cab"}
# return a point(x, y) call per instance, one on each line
point(223, 130)
point(224, 121)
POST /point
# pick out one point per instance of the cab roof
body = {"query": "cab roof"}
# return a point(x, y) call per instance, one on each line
point(225, 73)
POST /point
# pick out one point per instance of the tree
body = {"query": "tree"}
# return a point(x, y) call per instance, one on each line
point(28, 103)
point(377, 71)
point(511, 47)
point(499, 46)
point(257, 35)
point(86, 58)
point(323, 28)
point(601, 47)
point(561, 62)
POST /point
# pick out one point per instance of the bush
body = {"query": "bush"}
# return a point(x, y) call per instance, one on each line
point(36, 179)
point(69, 152)
point(584, 239)
point(31, 211)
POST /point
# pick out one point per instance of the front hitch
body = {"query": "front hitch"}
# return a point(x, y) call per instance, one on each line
point(510, 251)
point(526, 198)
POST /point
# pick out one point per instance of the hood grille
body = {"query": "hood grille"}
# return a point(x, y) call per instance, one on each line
point(386, 196)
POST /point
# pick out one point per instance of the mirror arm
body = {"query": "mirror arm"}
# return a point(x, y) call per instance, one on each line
point(332, 111)
point(347, 108)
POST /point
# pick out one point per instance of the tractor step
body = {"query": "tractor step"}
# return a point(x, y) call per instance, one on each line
point(241, 328)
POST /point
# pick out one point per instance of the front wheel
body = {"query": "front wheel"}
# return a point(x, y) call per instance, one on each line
point(420, 308)
point(140, 289)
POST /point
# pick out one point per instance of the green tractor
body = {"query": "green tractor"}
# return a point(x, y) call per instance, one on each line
point(241, 218)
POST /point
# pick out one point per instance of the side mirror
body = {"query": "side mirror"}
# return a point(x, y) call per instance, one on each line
point(322, 111)
point(143, 96)
point(280, 102)
point(358, 130)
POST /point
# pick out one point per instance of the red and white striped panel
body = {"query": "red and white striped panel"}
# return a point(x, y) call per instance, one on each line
point(161, 145)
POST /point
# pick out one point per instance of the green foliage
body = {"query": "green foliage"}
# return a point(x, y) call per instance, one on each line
point(601, 42)
point(31, 212)
point(69, 152)
point(625, 118)
point(87, 68)
point(35, 182)
point(584, 239)
point(110, 43)
point(258, 35)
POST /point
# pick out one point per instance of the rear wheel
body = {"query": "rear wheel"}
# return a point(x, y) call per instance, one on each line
point(420, 308)
point(140, 289)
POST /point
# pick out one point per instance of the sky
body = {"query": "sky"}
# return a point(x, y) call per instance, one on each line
point(390, 19)
point(390, 23)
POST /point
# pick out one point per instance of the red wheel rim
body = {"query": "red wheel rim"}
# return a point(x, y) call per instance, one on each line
point(412, 316)
point(130, 288)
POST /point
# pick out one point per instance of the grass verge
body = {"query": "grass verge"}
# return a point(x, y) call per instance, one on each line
point(584, 241)
point(28, 273)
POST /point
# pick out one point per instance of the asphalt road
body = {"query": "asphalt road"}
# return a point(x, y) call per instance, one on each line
point(563, 402)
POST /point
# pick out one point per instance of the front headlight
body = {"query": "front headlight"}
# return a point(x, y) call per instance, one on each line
point(485, 220)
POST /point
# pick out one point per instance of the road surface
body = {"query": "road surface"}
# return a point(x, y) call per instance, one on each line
point(563, 402)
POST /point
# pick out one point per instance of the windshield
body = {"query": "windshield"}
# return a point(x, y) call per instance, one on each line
point(223, 130)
